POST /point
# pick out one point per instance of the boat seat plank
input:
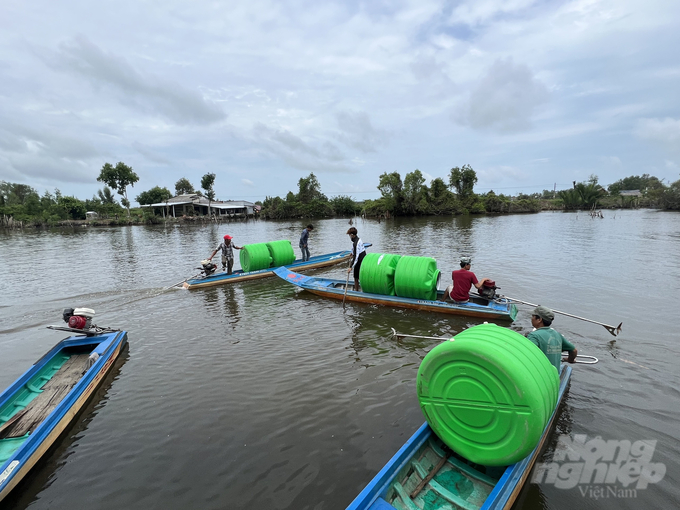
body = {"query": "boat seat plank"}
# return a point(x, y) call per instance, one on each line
point(405, 498)
point(451, 497)
point(473, 473)
point(52, 394)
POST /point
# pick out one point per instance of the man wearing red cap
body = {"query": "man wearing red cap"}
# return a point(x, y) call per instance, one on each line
point(227, 253)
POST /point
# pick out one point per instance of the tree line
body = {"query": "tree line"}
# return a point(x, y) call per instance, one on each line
point(411, 196)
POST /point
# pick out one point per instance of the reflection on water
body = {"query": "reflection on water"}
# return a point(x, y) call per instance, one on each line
point(258, 395)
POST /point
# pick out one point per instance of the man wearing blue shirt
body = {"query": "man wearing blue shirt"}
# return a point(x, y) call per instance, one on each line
point(304, 240)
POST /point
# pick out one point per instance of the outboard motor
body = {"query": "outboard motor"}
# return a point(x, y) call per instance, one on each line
point(207, 267)
point(78, 318)
point(488, 289)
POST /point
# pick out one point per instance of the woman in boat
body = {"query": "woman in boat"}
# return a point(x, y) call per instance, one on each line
point(358, 254)
point(227, 253)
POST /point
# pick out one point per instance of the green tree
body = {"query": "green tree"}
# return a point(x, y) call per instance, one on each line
point(183, 187)
point(72, 208)
point(642, 182)
point(463, 181)
point(671, 196)
point(343, 205)
point(414, 191)
point(391, 188)
point(207, 183)
point(17, 194)
point(590, 192)
point(153, 196)
point(119, 178)
point(106, 196)
point(310, 190)
point(570, 198)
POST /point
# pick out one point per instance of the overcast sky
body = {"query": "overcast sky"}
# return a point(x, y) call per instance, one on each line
point(531, 94)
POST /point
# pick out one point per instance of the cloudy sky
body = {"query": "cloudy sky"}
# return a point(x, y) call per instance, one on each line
point(531, 94)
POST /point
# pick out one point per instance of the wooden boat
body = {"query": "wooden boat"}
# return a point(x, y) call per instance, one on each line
point(335, 289)
point(315, 262)
point(37, 408)
point(424, 473)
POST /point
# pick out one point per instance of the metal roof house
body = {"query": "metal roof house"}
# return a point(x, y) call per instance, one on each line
point(196, 205)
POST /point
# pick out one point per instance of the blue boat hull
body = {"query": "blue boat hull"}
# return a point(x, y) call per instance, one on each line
point(335, 289)
point(19, 454)
point(504, 492)
point(318, 261)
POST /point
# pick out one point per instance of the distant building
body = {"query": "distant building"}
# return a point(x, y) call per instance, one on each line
point(196, 205)
point(91, 215)
point(630, 197)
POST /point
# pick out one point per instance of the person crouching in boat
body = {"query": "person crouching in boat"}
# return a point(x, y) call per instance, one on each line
point(547, 339)
point(227, 253)
point(358, 254)
point(463, 280)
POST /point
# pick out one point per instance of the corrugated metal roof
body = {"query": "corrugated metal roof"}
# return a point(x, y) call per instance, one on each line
point(199, 200)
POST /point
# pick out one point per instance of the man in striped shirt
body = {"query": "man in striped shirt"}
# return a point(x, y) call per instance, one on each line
point(227, 253)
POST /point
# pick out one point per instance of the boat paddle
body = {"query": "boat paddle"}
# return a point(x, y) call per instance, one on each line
point(345, 295)
point(180, 283)
point(613, 330)
point(401, 335)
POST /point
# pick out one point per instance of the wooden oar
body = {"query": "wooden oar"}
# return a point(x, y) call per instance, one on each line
point(581, 359)
point(613, 330)
point(400, 335)
point(345, 295)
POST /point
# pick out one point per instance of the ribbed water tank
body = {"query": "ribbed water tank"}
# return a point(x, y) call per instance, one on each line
point(254, 257)
point(377, 273)
point(281, 253)
point(417, 278)
point(488, 393)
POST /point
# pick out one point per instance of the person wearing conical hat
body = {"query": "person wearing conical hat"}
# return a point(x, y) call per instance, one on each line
point(226, 247)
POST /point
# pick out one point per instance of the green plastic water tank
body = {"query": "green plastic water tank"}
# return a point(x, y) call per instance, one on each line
point(416, 277)
point(281, 253)
point(488, 393)
point(254, 257)
point(377, 273)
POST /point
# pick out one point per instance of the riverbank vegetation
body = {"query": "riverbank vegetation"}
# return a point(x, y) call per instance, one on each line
point(22, 205)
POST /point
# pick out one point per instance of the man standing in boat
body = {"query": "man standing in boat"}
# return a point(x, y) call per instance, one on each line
point(304, 241)
point(358, 254)
point(463, 280)
point(227, 253)
point(547, 339)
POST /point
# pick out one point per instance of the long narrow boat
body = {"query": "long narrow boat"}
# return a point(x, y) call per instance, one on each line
point(450, 481)
point(37, 408)
point(315, 262)
point(335, 289)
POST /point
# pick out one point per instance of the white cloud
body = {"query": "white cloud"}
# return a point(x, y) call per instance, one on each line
point(248, 182)
point(341, 88)
point(504, 100)
point(665, 131)
point(134, 88)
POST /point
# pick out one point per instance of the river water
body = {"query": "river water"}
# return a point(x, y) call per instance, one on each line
point(257, 395)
